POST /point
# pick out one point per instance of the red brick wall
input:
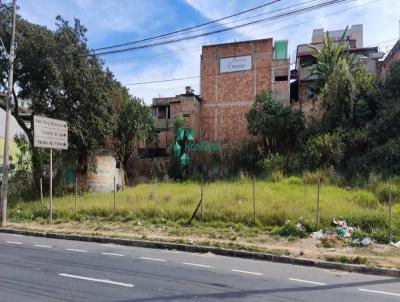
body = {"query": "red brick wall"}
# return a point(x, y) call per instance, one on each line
point(227, 97)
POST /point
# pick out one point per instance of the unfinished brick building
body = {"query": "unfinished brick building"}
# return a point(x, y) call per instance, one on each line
point(231, 76)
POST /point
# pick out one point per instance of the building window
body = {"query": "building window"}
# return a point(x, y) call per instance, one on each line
point(281, 78)
point(308, 61)
point(163, 112)
point(311, 92)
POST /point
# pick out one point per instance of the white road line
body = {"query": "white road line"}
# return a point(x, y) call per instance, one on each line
point(95, 280)
point(196, 264)
point(378, 292)
point(246, 272)
point(13, 242)
point(306, 281)
point(45, 246)
point(75, 250)
point(153, 259)
point(113, 254)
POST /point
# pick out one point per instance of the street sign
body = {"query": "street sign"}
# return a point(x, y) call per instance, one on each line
point(50, 133)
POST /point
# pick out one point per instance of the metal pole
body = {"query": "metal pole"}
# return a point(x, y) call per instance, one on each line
point(76, 190)
point(201, 205)
point(390, 209)
point(51, 186)
point(114, 195)
point(254, 199)
point(41, 191)
point(6, 160)
point(318, 196)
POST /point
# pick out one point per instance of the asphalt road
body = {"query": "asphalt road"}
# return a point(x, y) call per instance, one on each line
point(40, 269)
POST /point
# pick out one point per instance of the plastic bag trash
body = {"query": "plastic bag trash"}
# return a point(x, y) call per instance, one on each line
point(340, 223)
point(341, 232)
point(317, 235)
point(366, 241)
point(397, 244)
point(299, 226)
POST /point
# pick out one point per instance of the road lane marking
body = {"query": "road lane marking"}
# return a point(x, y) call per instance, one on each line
point(113, 254)
point(13, 242)
point(246, 272)
point(96, 280)
point(153, 259)
point(306, 281)
point(76, 250)
point(45, 246)
point(378, 292)
point(196, 264)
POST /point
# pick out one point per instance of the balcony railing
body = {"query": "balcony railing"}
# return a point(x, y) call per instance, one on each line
point(163, 123)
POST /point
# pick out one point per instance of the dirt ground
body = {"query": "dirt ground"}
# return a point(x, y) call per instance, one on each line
point(377, 255)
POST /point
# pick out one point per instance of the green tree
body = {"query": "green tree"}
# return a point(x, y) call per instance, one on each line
point(328, 56)
point(134, 123)
point(323, 151)
point(338, 97)
point(279, 126)
point(58, 73)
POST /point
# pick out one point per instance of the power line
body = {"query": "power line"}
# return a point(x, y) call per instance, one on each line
point(188, 28)
point(198, 47)
point(279, 16)
point(198, 76)
point(276, 17)
point(161, 81)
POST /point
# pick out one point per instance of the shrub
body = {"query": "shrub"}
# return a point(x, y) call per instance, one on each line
point(290, 229)
point(293, 180)
point(366, 199)
point(324, 150)
point(272, 163)
point(277, 176)
point(311, 178)
point(383, 192)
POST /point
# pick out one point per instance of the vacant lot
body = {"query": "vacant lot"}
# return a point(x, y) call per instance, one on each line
point(223, 203)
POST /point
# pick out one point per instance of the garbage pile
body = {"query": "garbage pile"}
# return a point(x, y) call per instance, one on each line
point(342, 231)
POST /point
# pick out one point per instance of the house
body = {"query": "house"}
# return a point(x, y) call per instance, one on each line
point(232, 74)
point(303, 87)
point(392, 56)
point(165, 111)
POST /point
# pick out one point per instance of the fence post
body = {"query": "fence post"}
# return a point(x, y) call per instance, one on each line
point(254, 199)
point(201, 204)
point(41, 191)
point(155, 196)
point(318, 198)
point(114, 194)
point(76, 192)
point(390, 209)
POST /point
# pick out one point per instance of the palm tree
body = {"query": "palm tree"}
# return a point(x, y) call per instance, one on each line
point(328, 57)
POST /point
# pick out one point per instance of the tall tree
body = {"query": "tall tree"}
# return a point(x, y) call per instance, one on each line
point(338, 96)
point(134, 123)
point(279, 126)
point(328, 55)
point(58, 73)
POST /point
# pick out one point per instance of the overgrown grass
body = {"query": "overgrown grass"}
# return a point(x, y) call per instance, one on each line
point(224, 202)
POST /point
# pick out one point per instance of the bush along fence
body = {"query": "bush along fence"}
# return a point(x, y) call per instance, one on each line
point(291, 206)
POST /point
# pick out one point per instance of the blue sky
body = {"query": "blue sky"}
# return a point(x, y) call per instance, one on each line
point(117, 21)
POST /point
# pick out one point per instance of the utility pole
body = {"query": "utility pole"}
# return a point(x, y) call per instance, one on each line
point(9, 104)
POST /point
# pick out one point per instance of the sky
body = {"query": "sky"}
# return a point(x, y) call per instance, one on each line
point(111, 22)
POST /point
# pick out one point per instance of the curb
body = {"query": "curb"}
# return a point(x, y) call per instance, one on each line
point(215, 250)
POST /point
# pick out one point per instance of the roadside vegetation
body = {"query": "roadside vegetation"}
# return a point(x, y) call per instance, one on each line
point(279, 206)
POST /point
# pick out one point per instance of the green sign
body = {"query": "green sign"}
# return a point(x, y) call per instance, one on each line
point(185, 143)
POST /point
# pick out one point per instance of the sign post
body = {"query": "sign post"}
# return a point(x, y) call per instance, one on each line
point(50, 134)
